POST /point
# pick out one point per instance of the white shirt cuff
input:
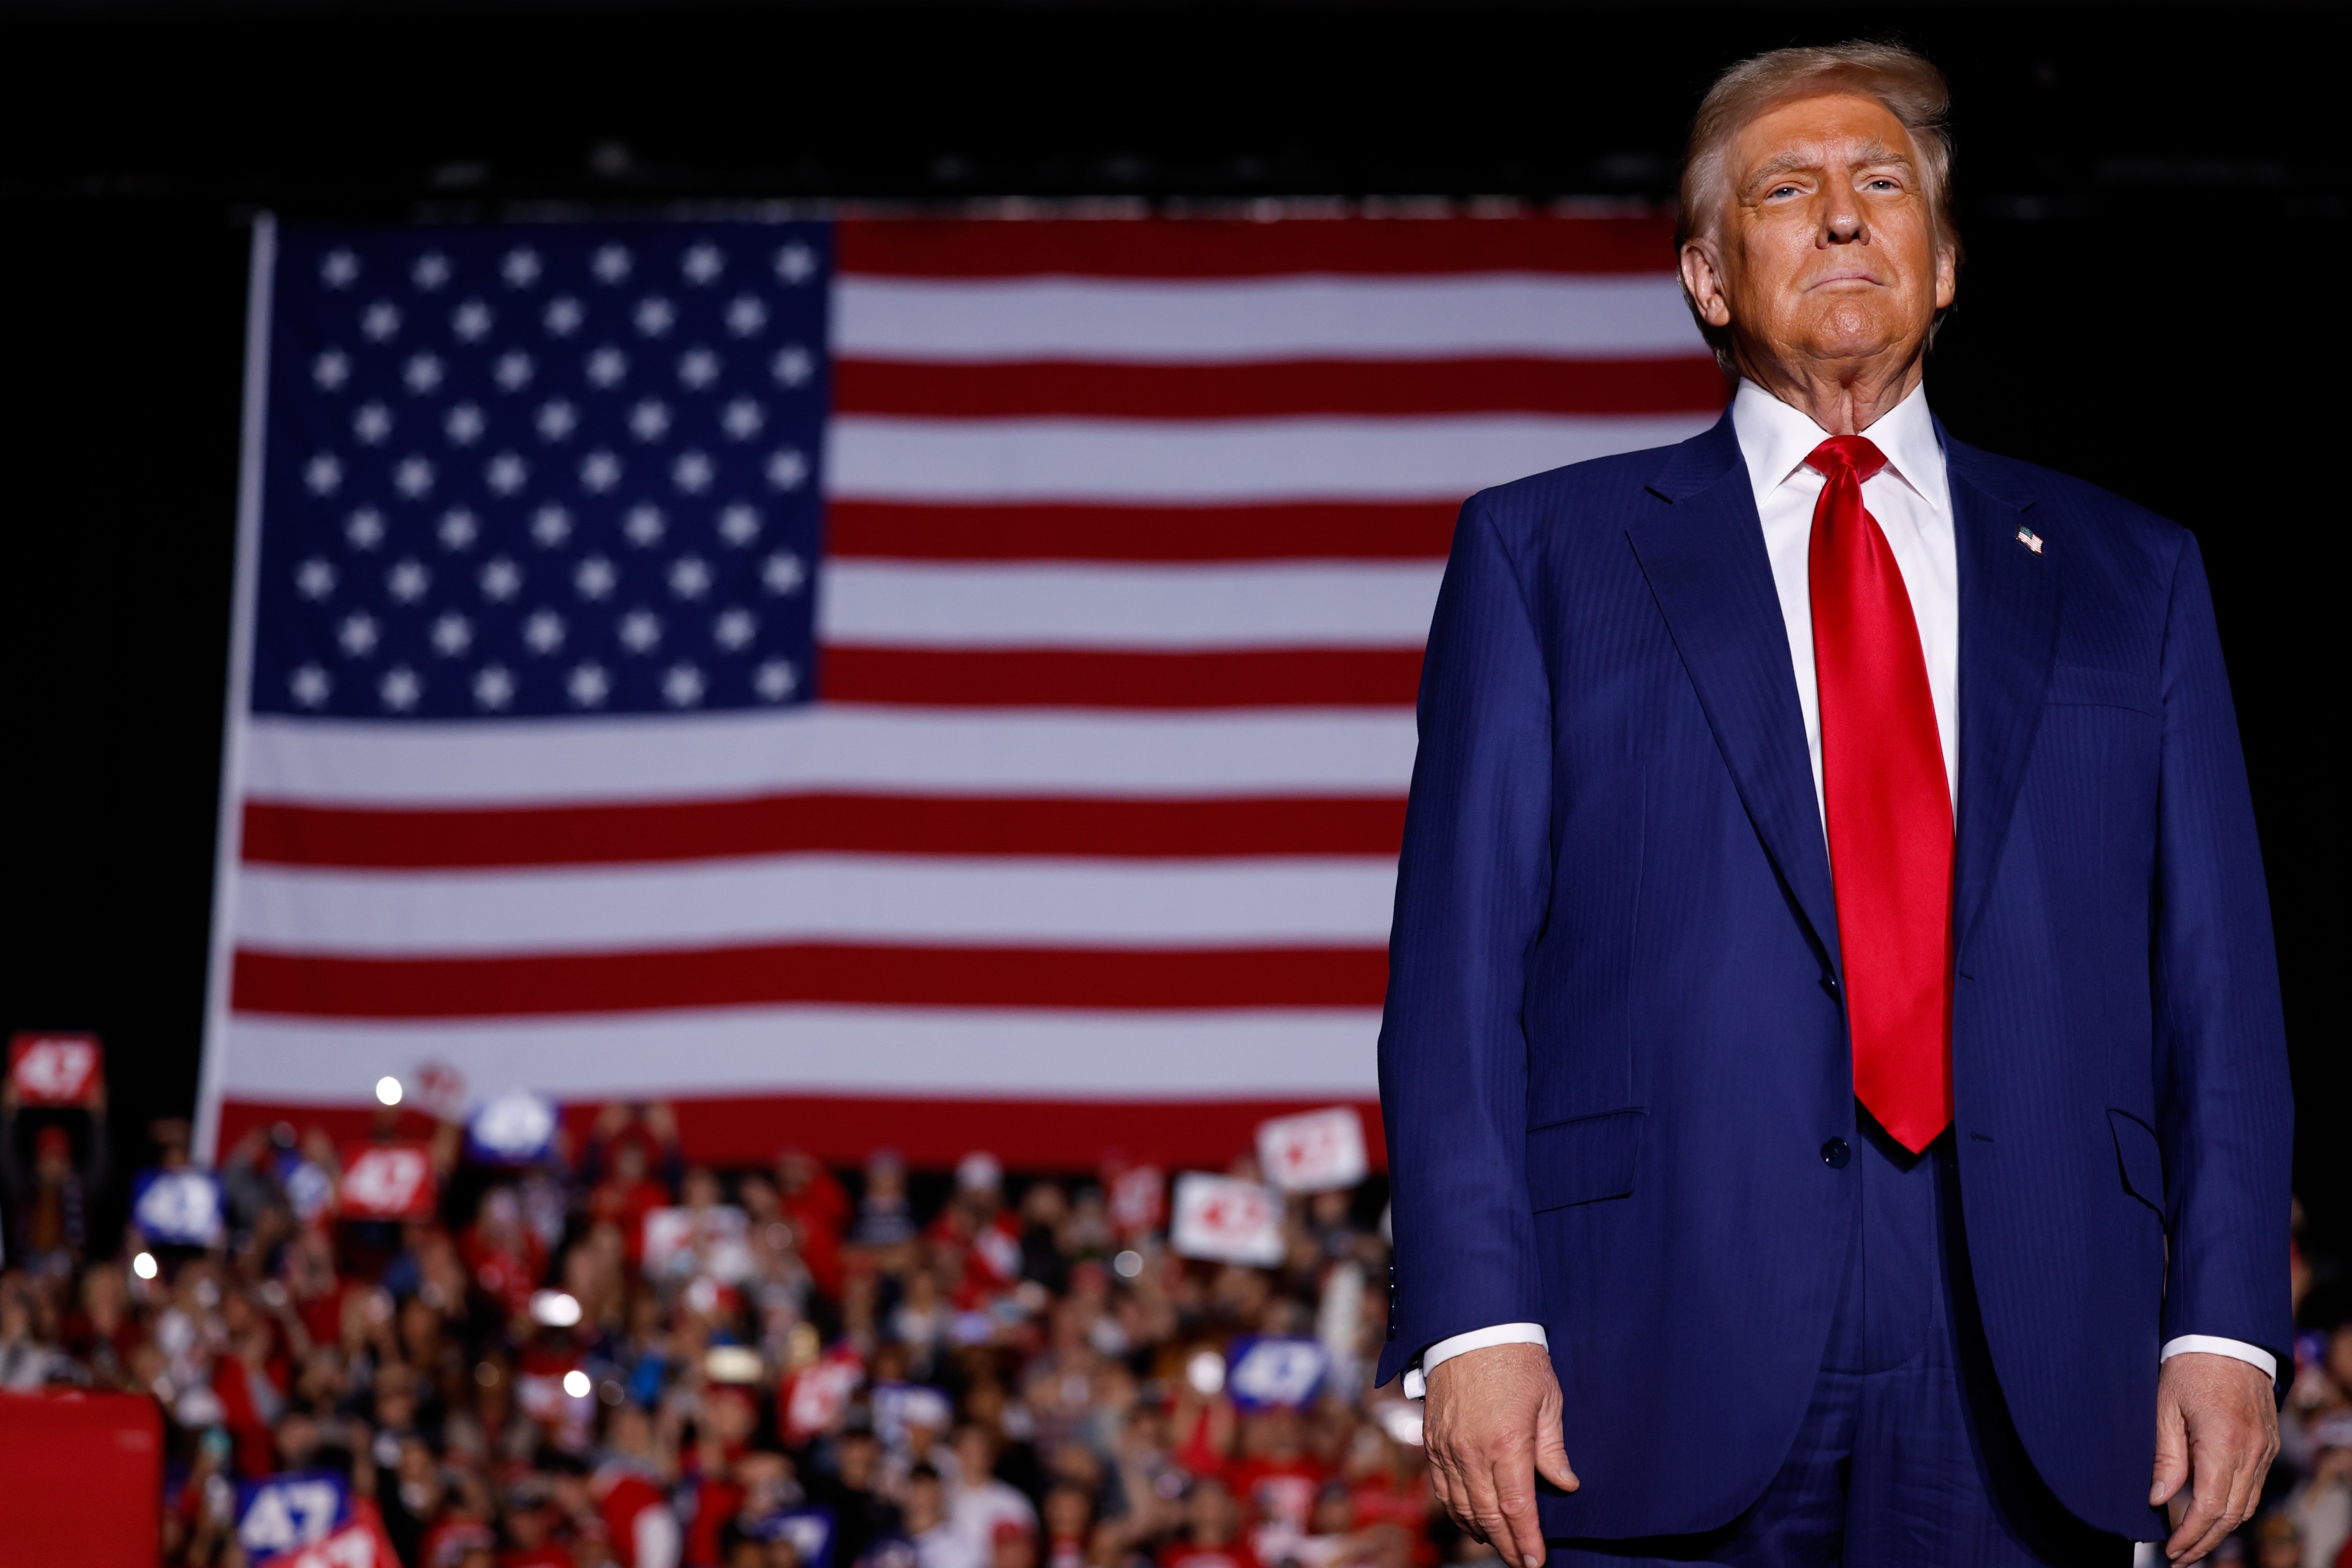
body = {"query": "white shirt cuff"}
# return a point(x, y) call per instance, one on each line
point(1416, 1377)
point(2213, 1344)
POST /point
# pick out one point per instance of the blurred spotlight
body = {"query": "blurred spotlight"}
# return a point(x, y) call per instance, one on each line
point(1128, 1264)
point(576, 1382)
point(1205, 1370)
point(143, 1266)
point(554, 1309)
point(387, 1090)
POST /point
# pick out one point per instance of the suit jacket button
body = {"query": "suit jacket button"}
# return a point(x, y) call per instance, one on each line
point(1828, 983)
point(1835, 1154)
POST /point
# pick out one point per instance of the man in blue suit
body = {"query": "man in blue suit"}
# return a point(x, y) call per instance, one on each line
point(1834, 1079)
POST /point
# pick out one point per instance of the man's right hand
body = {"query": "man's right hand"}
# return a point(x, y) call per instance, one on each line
point(1491, 1424)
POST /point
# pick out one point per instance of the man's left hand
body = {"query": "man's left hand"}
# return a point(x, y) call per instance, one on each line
point(2215, 1435)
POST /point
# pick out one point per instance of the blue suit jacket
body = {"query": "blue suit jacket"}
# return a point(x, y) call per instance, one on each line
point(1614, 1047)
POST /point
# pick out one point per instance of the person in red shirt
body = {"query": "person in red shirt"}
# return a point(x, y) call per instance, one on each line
point(1275, 1478)
point(621, 1196)
point(817, 1207)
point(1069, 1526)
point(502, 1252)
point(1211, 1537)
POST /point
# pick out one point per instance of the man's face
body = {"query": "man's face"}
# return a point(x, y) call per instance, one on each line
point(1825, 248)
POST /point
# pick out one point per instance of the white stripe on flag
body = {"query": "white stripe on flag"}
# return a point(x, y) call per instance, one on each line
point(829, 747)
point(971, 902)
point(1333, 604)
point(930, 1052)
point(1442, 457)
point(1459, 317)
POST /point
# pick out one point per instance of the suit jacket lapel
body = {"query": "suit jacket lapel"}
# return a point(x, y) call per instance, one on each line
point(1704, 556)
point(2009, 635)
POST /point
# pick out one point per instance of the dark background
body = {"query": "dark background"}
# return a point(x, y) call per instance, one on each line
point(2153, 200)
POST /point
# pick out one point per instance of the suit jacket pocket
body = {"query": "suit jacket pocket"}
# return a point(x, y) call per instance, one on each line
point(2140, 1157)
point(1583, 1161)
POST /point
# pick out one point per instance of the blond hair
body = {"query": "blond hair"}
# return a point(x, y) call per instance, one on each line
point(1904, 80)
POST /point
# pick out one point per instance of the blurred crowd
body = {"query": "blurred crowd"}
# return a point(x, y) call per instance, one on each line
point(609, 1356)
point(606, 1355)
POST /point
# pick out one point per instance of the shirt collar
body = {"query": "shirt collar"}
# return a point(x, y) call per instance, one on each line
point(1776, 438)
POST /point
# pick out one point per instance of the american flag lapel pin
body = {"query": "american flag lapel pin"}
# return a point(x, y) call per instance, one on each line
point(2030, 540)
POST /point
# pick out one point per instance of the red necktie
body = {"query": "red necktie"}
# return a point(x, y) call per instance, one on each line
point(1888, 805)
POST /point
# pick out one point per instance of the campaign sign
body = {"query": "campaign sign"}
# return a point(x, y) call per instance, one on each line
point(1315, 1151)
point(388, 1180)
point(358, 1544)
point(517, 1128)
point(55, 1069)
point(818, 1395)
point(1137, 1199)
point(178, 1208)
point(285, 1514)
point(713, 1241)
point(1226, 1220)
point(810, 1530)
point(1263, 1370)
point(437, 1090)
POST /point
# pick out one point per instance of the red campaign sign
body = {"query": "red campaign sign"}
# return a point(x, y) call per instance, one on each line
point(358, 1544)
point(816, 1396)
point(1137, 1198)
point(388, 1180)
point(55, 1069)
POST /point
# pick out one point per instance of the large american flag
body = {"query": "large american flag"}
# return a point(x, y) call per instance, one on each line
point(911, 681)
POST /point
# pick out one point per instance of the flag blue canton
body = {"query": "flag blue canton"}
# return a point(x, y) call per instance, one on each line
point(522, 471)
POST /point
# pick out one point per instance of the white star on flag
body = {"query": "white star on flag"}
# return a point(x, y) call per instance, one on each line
point(746, 315)
point(595, 577)
point(739, 524)
point(775, 680)
point(400, 689)
point(587, 685)
point(407, 581)
point(640, 630)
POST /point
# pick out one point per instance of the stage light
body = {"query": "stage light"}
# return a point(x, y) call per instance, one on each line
point(387, 1090)
point(143, 1266)
point(575, 1383)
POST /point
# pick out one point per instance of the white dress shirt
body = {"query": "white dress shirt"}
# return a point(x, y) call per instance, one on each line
point(1912, 502)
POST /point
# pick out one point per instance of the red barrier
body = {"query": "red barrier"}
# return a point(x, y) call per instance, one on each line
point(81, 1479)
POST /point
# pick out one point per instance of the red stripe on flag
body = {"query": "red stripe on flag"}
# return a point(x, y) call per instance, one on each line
point(317, 986)
point(1370, 530)
point(278, 833)
point(1034, 1134)
point(1032, 678)
point(1240, 248)
point(1096, 391)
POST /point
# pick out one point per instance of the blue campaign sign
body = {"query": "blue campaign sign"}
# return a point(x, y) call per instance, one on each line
point(285, 1514)
point(178, 1208)
point(517, 1128)
point(1266, 1370)
point(810, 1530)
